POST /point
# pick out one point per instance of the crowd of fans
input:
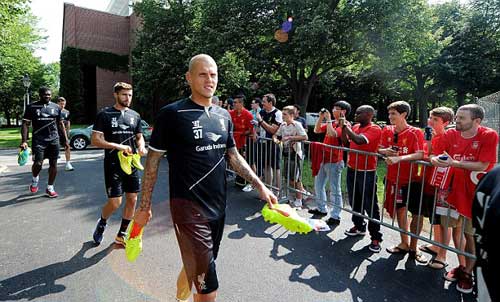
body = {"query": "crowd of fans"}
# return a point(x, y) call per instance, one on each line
point(457, 148)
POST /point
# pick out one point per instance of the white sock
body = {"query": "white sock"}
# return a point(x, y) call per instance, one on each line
point(34, 179)
point(50, 187)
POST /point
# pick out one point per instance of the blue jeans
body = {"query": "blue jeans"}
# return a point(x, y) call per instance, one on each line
point(331, 172)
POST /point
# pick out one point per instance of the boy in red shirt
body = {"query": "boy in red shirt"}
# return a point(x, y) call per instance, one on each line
point(362, 174)
point(402, 143)
point(471, 151)
point(439, 118)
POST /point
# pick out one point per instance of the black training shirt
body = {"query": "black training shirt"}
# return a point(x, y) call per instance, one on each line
point(65, 117)
point(195, 139)
point(118, 127)
point(44, 121)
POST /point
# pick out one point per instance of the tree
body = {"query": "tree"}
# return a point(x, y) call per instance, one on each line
point(471, 62)
point(18, 39)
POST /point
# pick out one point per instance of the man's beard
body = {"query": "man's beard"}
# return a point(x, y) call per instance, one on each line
point(123, 103)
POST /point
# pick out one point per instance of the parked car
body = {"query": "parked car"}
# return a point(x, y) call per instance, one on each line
point(311, 118)
point(79, 138)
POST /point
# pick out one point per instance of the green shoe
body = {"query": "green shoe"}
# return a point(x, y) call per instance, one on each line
point(133, 241)
point(125, 162)
point(136, 161)
point(22, 157)
point(286, 216)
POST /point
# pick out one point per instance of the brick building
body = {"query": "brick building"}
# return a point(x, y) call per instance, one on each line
point(104, 35)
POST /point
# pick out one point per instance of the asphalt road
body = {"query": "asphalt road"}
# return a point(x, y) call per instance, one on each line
point(47, 254)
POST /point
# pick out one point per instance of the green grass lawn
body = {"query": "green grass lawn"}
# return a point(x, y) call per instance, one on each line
point(308, 179)
point(10, 138)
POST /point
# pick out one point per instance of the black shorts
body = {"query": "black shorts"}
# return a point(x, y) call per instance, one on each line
point(199, 244)
point(117, 181)
point(43, 150)
point(415, 206)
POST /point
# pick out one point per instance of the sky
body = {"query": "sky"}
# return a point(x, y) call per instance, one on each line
point(50, 14)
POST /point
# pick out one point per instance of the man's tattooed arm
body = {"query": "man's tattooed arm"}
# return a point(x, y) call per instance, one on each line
point(144, 213)
point(240, 166)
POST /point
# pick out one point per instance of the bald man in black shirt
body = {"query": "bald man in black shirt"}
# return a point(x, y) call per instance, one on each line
point(199, 140)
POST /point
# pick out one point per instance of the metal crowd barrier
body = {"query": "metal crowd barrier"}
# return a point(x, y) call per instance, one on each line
point(265, 157)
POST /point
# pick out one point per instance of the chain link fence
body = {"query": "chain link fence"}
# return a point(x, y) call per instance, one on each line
point(491, 105)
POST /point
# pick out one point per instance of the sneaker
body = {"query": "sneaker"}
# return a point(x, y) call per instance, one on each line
point(354, 232)
point(247, 188)
point(120, 238)
point(99, 231)
point(333, 221)
point(34, 187)
point(297, 203)
point(465, 284)
point(136, 161)
point(51, 193)
point(375, 246)
point(317, 212)
point(125, 162)
point(69, 167)
point(454, 274)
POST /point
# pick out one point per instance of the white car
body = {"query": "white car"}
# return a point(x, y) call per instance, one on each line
point(311, 118)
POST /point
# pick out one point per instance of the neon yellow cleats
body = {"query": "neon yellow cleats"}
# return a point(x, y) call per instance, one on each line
point(125, 162)
point(286, 216)
point(136, 161)
point(133, 241)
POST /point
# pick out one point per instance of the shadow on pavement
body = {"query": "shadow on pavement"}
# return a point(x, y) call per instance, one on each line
point(42, 281)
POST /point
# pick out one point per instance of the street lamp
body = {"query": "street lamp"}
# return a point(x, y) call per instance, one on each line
point(26, 84)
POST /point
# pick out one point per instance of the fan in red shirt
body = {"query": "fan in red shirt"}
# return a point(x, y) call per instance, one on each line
point(362, 174)
point(439, 118)
point(402, 143)
point(471, 151)
point(242, 121)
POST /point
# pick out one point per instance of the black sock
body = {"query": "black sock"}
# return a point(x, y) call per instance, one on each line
point(123, 226)
point(103, 221)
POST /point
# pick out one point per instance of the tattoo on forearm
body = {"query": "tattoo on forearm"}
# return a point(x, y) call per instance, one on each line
point(149, 179)
point(240, 166)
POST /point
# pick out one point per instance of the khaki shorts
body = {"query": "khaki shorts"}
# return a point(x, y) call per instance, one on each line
point(458, 222)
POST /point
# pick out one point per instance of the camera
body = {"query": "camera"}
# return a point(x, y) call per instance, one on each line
point(395, 148)
point(428, 133)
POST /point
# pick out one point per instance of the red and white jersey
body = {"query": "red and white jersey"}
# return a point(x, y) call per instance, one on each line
point(408, 141)
point(372, 133)
point(242, 124)
point(332, 155)
point(428, 171)
point(480, 148)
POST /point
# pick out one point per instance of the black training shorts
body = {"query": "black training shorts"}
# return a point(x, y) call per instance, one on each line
point(43, 150)
point(199, 245)
point(117, 181)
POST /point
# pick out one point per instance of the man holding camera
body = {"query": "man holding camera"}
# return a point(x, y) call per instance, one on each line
point(332, 163)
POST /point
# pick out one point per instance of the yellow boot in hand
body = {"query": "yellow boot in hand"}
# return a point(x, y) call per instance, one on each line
point(125, 162)
point(136, 161)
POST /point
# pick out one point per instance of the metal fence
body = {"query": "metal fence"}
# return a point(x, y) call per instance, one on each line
point(290, 174)
point(491, 105)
